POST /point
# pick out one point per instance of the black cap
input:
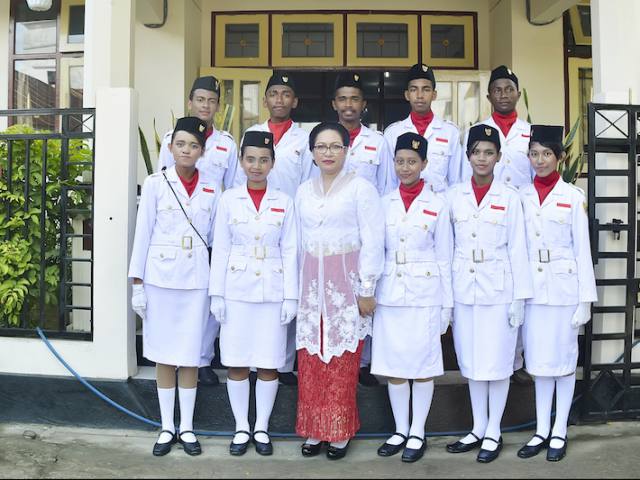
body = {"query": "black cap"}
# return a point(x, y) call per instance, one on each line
point(348, 79)
point(503, 72)
point(483, 133)
point(547, 134)
point(281, 79)
point(412, 141)
point(420, 70)
point(206, 83)
point(194, 126)
point(256, 138)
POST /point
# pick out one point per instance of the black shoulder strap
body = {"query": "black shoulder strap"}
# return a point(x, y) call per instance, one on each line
point(182, 208)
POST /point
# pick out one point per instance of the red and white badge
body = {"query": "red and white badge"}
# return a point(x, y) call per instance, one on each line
point(370, 148)
point(442, 140)
point(429, 212)
point(221, 148)
point(563, 205)
point(498, 207)
point(208, 190)
point(277, 210)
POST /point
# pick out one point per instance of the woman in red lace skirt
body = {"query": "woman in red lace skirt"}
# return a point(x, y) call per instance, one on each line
point(342, 247)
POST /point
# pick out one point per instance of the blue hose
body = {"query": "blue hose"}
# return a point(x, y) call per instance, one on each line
point(207, 433)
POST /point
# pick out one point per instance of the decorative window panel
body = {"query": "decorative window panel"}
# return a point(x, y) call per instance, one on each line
point(72, 26)
point(382, 40)
point(307, 40)
point(241, 41)
point(377, 40)
point(449, 41)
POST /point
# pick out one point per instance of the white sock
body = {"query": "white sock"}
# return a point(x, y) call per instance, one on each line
point(498, 393)
point(479, 393)
point(399, 396)
point(167, 400)
point(266, 392)
point(238, 391)
point(564, 396)
point(312, 441)
point(341, 444)
point(544, 400)
point(422, 394)
point(187, 397)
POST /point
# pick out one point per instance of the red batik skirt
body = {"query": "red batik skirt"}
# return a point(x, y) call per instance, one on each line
point(327, 406)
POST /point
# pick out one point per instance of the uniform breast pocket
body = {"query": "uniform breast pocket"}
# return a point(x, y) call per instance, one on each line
point(275, 219)
point(167, 218)
point(425, 223)
point(558, 226)
point(218, 156)
point(203, 215)
point(438, 159)
point(494, 227)
point(461, 225)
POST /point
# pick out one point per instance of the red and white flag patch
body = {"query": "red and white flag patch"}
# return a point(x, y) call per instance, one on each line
point(222, 149)
point(279, 210)
point(563, 205)
point(429, 212)
point(524, 135)
point(498, 207)
point(370, 148)
point(442, 140)
point(208, 190)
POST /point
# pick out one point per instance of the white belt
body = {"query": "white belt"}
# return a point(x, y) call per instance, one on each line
point(257, 251)
point(401, 257)
point(546, 255)
point(479, 255)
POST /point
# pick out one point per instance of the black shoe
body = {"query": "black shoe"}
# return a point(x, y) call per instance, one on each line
point(309, 450)
point(521, 377)
point(486, 456)
point(190, 448)
point(411, 455)
point(288, 378)
point(388, 450)
point(529, 451)
point(206, 376)
point(557, 454)
point(263, 448)
point(238, 449)
point(335, 453)
point(459, 447)
point(366, 378)
point(160, 449)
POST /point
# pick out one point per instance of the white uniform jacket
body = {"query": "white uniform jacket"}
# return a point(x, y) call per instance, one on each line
point(167, 252)
point(418, 252)
point(443, 151)
point(293, 160)
point(255, 252)
point(220, 158)
point(371, 159)
point(514, 167)
point(490, 262)
point(559, 247)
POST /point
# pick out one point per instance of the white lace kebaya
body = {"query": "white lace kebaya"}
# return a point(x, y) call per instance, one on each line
point(342, 256)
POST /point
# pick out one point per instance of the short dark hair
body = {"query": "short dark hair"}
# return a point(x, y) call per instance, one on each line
point(472, 147)
point(557, 148)
point(273, 157)
point(322, 126)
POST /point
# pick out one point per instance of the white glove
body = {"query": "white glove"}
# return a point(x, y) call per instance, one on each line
point(516, 313)
point(446, 314)
point(218, 308)
point(289, 311)
point(139, 300)
point(582, 314)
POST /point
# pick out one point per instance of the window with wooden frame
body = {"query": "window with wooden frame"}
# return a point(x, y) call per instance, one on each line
point(449, 41)
point(241, 40)
point(580, 18)
point(307, 40)
point(46, 58)
point(380, 39)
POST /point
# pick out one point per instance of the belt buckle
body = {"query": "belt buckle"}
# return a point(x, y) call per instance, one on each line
point(478, 258)
point(187, 242)
point(401, 258)
point(544, 256)
point(260, 252)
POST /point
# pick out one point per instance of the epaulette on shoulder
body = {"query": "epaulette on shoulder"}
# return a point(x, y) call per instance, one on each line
point(227, 134)
point(449, 122)
point(393, 124)
point(578, 189)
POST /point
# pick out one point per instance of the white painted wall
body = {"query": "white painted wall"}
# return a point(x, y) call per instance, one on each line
point(4, 60)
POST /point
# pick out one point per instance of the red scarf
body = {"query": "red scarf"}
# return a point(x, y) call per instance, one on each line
point(353, 134)
point(208, 133)
point(505, 122)
point(544, 185)
point(409, 194)
point(256, 196)
point(480, 190)
point(190, 185)
point(421, 122)
point(279, 129)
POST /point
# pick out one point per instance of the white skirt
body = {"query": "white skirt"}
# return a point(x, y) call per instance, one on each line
point(484, 341)
point(252, 335)
point(550, 342)
point(406, 342)
point(174, 324)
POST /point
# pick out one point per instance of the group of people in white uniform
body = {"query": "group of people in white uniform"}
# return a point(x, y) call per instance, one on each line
point(314, 243)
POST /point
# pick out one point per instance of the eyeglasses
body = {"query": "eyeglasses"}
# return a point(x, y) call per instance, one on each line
point(547, 154)
point(401, 162)
point(335, 148)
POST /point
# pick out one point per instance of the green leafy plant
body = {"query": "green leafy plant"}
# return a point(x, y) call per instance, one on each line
point(144, 145)
point(24, 244)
